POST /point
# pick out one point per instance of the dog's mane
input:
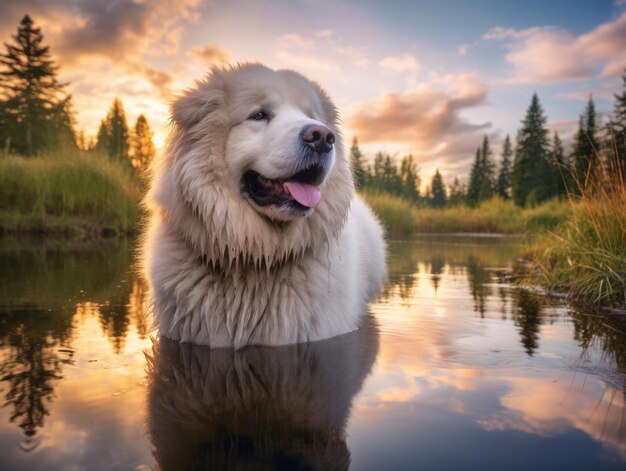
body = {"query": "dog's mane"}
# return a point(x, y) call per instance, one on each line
point(194, 195)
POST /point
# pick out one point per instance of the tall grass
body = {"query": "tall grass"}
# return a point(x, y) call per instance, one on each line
point(586, 256)
point(397, 214)
point(67, 194)
point(401, 218)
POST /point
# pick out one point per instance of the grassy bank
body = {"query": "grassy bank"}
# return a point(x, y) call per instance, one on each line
point(586, 256)
point(70, 195)
point(401, 218)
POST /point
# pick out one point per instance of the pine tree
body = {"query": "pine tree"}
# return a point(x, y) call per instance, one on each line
point(503, 185)
point(585, 155)
point(35, 111)
point(119, 144)
point(438, 191)
point(358, 171)
point(457, 193)
point(391, 178)
point(473, 190)
point(533, 175)
point(113, 135)
point(81, 140)
point(616, 135)
point(487, 172)
point(564, 182)
point(103, 138)
point(485, 192)
point(142, 146)
point(377, 174)
point(409, 175)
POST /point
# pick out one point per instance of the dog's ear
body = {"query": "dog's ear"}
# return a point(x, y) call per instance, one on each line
point(197, 103)
point(331, 112)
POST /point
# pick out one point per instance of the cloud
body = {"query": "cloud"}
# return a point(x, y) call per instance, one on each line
point(125, 28)
point(425, 119)
point(500, 33)
point(107, 49)
point(161, 80)
point(550, 54)
point(308, 62)
point(325, 33)
point(211, 54)
point(47, 13)
point(356, 55)
point(585, 94)
point(109, 29)
point(123, 33)
point(403, 63)
point(321, 52)
point(292, 40)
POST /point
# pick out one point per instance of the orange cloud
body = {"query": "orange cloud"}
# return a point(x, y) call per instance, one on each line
point(162, 81)
point(426, 118)
point(212, 54)
point(548, 54)
point(124, 30)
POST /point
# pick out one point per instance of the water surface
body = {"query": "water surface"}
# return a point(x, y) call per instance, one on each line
point(453, 368)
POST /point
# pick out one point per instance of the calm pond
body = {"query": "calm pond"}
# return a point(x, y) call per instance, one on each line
point(453, 369)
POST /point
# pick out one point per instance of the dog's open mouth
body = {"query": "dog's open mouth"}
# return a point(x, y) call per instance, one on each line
point(300, 190)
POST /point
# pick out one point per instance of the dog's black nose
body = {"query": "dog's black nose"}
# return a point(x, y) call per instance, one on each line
point(318, 138)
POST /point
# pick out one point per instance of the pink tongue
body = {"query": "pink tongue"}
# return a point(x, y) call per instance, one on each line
point(306, 195)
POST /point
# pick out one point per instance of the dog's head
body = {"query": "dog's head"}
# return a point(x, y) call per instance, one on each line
point(255, 167)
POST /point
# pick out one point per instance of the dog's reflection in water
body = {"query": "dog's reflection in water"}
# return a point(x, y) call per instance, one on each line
point(257, 408)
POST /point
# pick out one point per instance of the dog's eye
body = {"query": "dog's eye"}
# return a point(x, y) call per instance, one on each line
point(259, 115)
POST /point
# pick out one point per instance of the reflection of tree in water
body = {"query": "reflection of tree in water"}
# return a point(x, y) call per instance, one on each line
point(114, 322)
point(527, 316)
point(41, 288)
point(32, 361)
point(403, 270)
point(459, 256)
point(503, 293)
point(136, 307)
point(405, 285)
point(478, 278)
point(128, 303)
point(436, 269)
point(606, 332)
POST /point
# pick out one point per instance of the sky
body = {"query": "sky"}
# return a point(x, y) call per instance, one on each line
point(421, 77)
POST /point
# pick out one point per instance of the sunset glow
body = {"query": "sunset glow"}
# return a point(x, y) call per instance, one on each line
point(411, 77)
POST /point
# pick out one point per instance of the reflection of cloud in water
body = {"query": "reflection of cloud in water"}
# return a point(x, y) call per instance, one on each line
point(284, 407)
point(548, 407)
point(509, 366)
point(452, 387)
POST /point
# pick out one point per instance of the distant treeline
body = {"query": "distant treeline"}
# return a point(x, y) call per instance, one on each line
point(535, 171)
point(36, 116)
point(36, 113)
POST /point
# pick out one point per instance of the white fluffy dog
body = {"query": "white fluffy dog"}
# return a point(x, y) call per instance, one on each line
point(256, 235)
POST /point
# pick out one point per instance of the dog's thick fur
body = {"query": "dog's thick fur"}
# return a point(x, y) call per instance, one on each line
point(226, 272)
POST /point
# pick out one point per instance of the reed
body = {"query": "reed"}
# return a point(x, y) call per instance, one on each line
point(70, 194)
point(496, 215)
point(586, 255)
